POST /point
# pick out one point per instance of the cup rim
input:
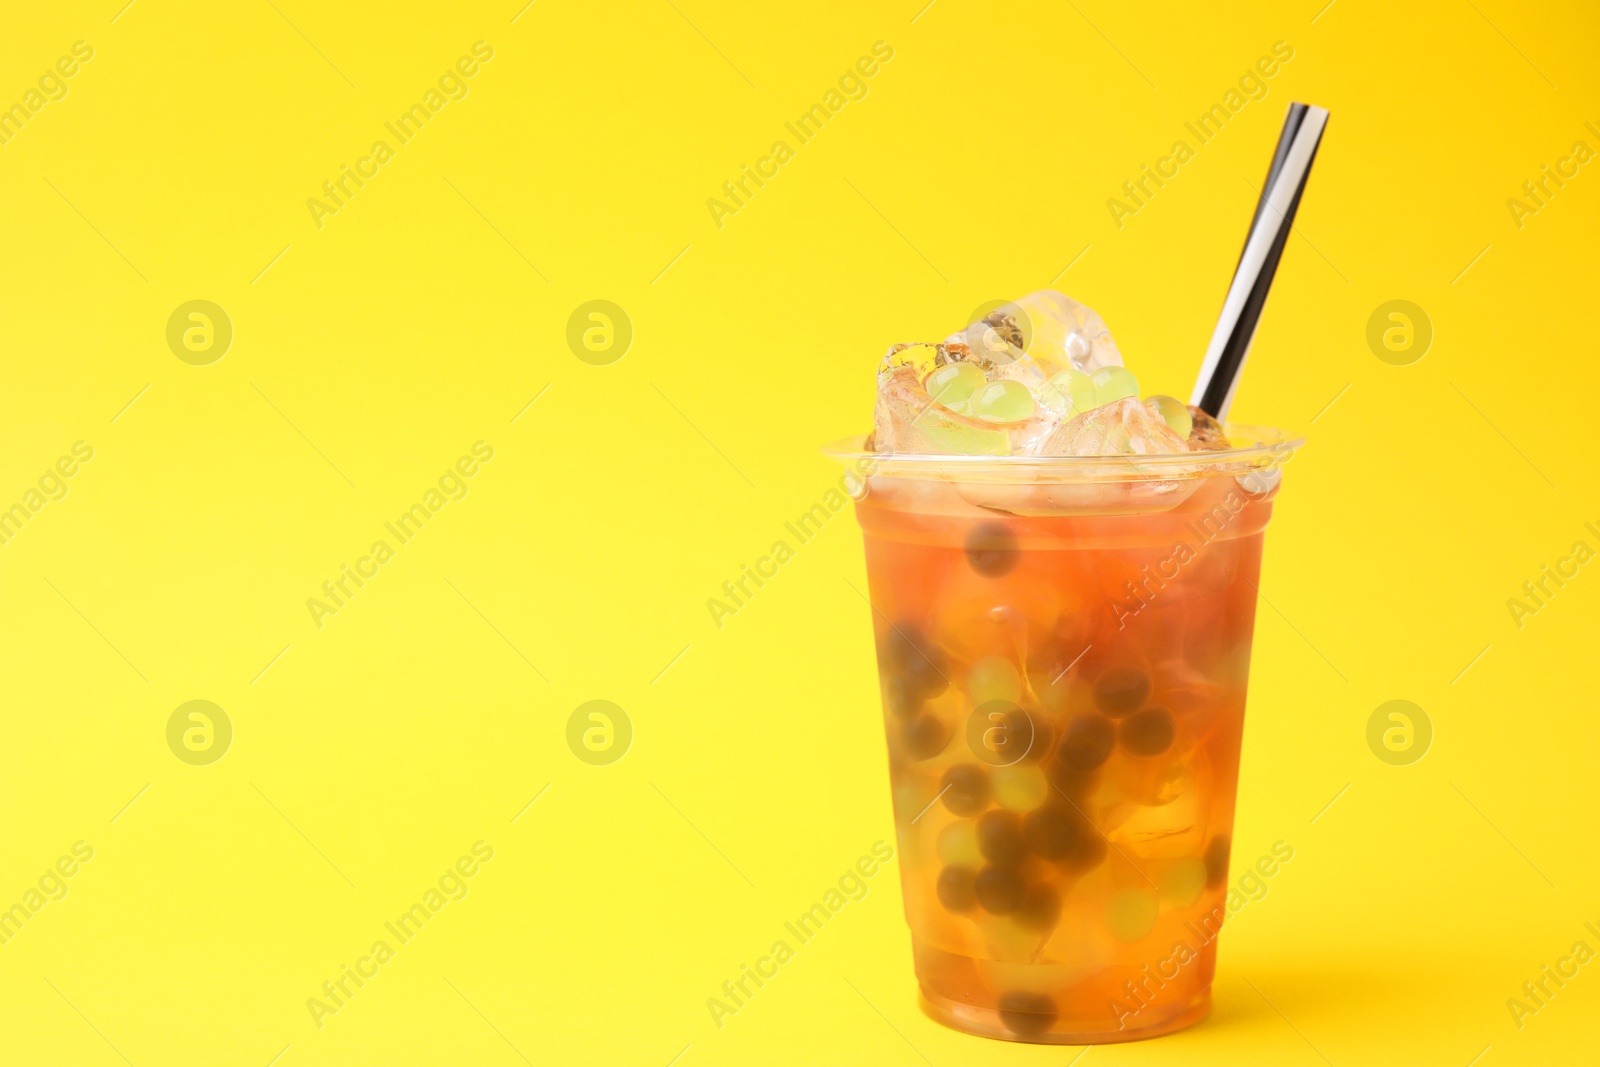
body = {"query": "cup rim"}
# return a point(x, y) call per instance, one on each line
point(1268, 447)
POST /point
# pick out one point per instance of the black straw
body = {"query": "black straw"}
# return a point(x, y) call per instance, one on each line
point(1258, 260)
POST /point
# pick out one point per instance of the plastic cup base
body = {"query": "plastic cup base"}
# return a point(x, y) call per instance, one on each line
point(987, 1022)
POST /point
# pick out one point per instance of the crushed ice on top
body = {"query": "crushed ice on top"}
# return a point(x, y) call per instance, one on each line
point(1039, 376)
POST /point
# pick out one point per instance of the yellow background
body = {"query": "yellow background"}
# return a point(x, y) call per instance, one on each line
point(428, 712)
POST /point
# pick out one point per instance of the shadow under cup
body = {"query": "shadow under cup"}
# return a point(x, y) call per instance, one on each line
point(1063, 646)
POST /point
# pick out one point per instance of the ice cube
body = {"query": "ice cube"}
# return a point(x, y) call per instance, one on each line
point(920, 359)
point(1174, 824)
point(1120, 428)
point(1056, 332)
point(994, 340)
point(1047, 329)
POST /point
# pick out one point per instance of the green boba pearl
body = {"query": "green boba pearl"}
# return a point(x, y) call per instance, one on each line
point(1131, 913)
point(1112, 384)
point(1070, 392)
point(1174, 413)
point(1003, 401)
point(958, 845)
point(953, 384)
point(1183, 882)
point(1020, 787)
point(993, 678)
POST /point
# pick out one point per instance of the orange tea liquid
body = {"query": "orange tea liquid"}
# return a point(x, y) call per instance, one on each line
point(1064, 699)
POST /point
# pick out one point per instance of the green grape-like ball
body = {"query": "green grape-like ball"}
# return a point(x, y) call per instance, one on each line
point(1070, 392)
point(1003, 401)
point(1174, 413)
point(1131, 913)
point(1112, 384)
point(954, 383)
point(1020, 787)
point(958, 844)
point(993, 678)
point(1182, 883)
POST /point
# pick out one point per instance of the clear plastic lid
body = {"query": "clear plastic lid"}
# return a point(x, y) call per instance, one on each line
point(1255, 448)
point(1124, 484)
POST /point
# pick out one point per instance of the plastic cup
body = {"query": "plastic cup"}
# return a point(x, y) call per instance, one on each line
point(1063, 646)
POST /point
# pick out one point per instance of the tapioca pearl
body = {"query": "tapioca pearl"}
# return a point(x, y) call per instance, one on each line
point(1216, 861)
point(956, 890)
point(1087, 742)
point(1052, 832)
point(958, 845)
point(1148, 732)
point(1131, 913)
point(1021, 787)
point(927, 671)
point(1121, 689)
point(915, 659)
point(1183, 881)
point(1000, 837)
point(1090, 853)
point(992, 549)
point(1027, 1014)
point(999, 889)
point(1040, 907)
point(965, 789)
point(923, 737)
point(993, 678)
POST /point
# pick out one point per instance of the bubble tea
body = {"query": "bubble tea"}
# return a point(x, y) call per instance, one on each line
point(1063, 582)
